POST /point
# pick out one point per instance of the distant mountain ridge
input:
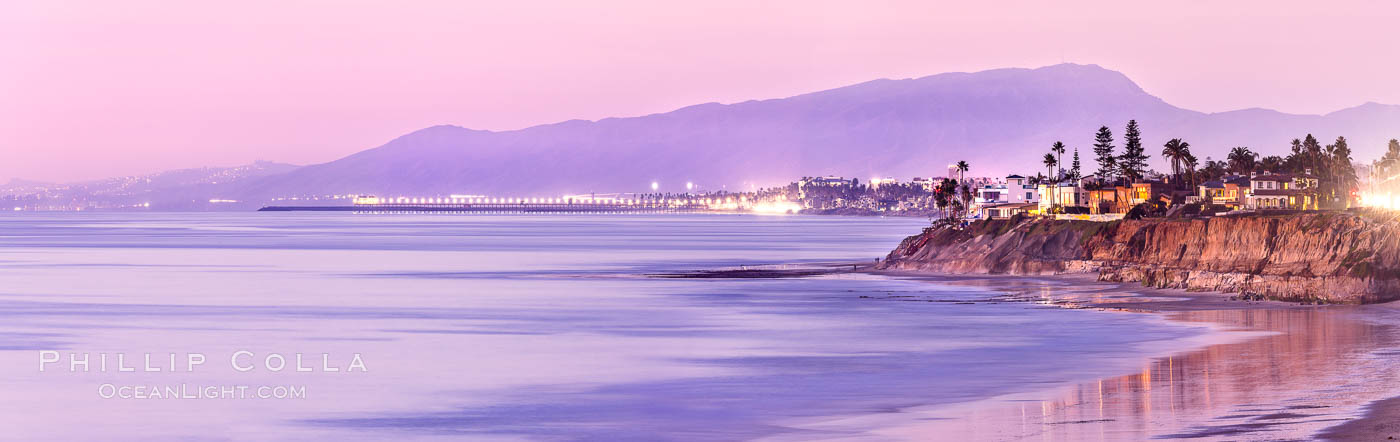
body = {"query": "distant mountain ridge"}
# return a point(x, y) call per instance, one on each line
point(1000, 121)
point(179, 189)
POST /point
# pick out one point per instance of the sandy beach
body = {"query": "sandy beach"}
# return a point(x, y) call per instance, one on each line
point(1381, 420)
point(1272, 370)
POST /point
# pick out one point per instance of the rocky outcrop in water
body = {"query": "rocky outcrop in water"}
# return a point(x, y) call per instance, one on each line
point(1347, 257)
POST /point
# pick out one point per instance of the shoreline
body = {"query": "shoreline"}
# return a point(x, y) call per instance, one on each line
point(1381, 418)
point(1332, 257)
point(1360, 420)
point(1289, 407)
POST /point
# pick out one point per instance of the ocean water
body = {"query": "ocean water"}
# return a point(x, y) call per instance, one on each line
point(513, 327)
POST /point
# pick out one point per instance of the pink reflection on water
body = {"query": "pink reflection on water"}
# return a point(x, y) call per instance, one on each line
point(1315, 370)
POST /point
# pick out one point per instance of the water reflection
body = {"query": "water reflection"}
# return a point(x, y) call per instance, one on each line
point(1313, 372)
point(495, 327)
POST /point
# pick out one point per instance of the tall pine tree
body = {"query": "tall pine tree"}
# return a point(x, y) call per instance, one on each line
point(1312, 155)
point(1074, 173)
point(1103, 152)
point(1133, 162)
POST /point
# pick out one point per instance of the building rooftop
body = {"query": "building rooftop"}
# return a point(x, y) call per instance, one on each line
point(1237, 180)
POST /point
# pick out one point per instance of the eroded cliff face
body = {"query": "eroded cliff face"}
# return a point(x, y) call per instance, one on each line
point(1350, 257)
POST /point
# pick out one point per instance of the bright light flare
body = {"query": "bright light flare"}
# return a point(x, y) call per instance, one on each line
point(776, 208)
point(1383, 201)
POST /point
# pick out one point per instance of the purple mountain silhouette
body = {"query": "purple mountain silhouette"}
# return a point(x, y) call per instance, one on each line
point(1000, 121)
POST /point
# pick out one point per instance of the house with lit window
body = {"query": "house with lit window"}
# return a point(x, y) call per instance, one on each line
point(1019, 190)
point(1284, 191)
point(1110, 199)
point(1231, 191)
point(1145, 191)
point(1005, 210)
point(1014, 191)
point(1066, 194)
point(1121, 199)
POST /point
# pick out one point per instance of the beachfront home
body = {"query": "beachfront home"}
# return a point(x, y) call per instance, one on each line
point(1284, 191)
point(1121, 199)
point(1145, 191)
point(1019, 190)
point(991, 194)
point(1110, 199)
point(1067, 193)
point(1005, 210)
point(1231, 191)
point(1014, 190)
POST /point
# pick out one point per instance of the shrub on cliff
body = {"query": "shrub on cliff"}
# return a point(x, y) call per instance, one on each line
point(1190, 210)
point(1137, 212)
point(1148, 209)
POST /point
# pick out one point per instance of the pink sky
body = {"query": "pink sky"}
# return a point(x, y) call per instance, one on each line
point(103, 88)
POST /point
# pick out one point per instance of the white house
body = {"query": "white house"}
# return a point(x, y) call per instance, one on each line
point(1070, 193)
point(1019, 190)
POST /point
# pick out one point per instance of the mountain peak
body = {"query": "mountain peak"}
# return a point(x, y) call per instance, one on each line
point(1000, 120)
point(1369, 107)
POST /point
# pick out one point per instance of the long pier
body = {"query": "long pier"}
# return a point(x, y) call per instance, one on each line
point(487, 208)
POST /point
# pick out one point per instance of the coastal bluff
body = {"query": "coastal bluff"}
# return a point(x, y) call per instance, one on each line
point(1335, 257)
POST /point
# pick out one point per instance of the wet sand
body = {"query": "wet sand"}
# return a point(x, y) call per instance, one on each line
point(1381, 420)
point(1273, 371)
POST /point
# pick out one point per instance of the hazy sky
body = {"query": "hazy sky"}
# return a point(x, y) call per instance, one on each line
point(103, 88)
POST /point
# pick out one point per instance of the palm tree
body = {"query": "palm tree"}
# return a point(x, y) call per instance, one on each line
point(962, 168)
point(1392, 155)
point(1059, 149)
point(1271, 163)
point(1241, 160)
point(1190, 162)
point(1343, 173)
point(946, 189)
point(966, 198)
point(1175, 151)
point(1185, 153)
point(1050, 163)
point(940, 200)
point(1388, 161)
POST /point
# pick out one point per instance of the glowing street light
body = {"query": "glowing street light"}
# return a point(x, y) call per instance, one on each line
point(655, 185)
point(689, 185)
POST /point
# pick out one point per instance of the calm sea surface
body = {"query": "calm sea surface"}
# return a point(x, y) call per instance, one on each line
point(514, 327)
